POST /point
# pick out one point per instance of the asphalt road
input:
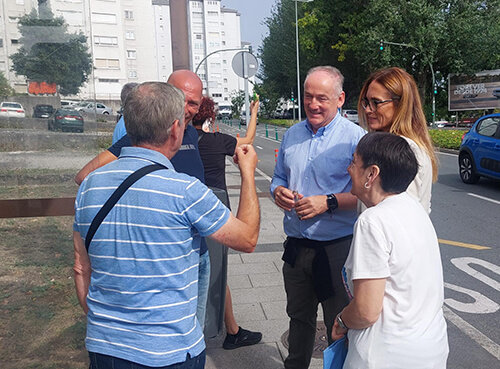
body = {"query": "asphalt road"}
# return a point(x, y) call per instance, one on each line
point(467, 222)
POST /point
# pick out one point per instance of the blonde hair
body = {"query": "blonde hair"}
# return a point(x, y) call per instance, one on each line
point(409, 119)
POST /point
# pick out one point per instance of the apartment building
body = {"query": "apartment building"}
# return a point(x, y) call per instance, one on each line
point(213, 28)
point(130, 41)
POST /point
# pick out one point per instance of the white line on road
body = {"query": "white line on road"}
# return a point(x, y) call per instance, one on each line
point(472, 332)
point(446, 153)
point(464, 265)
point(484, 198)
point(263, 174)
point(260, 148)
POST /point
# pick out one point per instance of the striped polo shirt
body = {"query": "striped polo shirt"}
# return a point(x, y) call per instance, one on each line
point(143, 291)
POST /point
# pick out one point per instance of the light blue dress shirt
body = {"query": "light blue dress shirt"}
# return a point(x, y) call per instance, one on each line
point(120, 130)
point(316, 164)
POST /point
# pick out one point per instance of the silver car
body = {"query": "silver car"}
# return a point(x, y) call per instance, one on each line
point(90, 107)
point(352, 115)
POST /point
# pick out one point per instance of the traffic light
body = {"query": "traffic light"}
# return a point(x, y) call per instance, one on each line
point(435, 90)
point(381, 45)
point(292, 99)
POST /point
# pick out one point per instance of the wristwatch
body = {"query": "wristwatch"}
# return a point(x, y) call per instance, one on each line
point(341, 322)
point(331, 202)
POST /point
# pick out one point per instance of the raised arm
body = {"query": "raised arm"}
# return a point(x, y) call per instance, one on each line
point(252, 126)
point(241, 232)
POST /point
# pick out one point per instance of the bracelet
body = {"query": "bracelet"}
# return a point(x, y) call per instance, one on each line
point(341, 322)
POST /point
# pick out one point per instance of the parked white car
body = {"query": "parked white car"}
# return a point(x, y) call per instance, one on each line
point(12, 109)
point(352, 115)
point(90, 107)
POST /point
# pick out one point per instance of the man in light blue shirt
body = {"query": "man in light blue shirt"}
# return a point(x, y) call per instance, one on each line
point(120, 130)
point(312, 186)
point(138, 281)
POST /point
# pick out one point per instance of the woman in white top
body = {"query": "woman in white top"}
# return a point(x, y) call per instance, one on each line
point(393, 271)
point(389, 102)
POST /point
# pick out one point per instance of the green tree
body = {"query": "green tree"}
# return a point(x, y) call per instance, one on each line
point(50, 54)
point(5, 89)
point(268, 97)
point(237, 101)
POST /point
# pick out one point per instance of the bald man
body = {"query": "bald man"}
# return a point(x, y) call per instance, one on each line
point(187, 160)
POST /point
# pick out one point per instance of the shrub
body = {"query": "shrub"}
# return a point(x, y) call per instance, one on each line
point(446, 139)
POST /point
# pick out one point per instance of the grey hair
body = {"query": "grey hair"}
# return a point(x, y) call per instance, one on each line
point(126, 90)
point(332, 72)
point(150, 111)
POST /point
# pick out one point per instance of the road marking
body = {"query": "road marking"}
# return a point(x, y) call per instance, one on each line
point(484, 198)
point(446, 153)
point(463, 244)
point(464, 265)
point(260, 148)
point(472, 332)
point(263, 174)
point(481, 304)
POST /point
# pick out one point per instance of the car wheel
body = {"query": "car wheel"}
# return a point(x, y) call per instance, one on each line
point(105, 113)
point(467, 171)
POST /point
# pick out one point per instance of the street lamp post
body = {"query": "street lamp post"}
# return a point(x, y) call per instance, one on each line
point(382, 42)
point(298, 63)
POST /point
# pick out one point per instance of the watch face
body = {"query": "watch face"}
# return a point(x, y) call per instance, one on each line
point(331, 202)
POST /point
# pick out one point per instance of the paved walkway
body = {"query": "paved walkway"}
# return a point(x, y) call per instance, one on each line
point(257, 290)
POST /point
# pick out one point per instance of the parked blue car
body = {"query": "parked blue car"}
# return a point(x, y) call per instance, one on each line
point(480, 150)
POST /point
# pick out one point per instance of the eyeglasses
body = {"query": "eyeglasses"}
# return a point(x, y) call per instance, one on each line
point(373, 103)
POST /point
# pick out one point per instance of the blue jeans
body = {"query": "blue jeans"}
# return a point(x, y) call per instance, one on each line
point(203, 284)
point(100, 361)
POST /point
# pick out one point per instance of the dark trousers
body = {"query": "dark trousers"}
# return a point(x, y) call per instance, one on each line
point(100, 361)
point(302, 302)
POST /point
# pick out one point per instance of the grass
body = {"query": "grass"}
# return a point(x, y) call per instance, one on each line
point(41, 323)
point(37, 183)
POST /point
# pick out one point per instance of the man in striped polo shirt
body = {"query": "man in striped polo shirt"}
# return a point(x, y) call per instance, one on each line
point(138, 281)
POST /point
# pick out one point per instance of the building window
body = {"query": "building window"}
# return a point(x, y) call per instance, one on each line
point(223, 43)
point(2, 65)
point(106, 40)
point(108, 80)
point(225, 89)
point(107, 63)
point(226, 99)
point(107, 18)
point(1, 42)
point(199, 36)
point(14, 41)
point(132, 74)
point(131, 54)
point(213, 14)
point(130, 35)
point(129, 14)
point(216, 95)
point(225, 80)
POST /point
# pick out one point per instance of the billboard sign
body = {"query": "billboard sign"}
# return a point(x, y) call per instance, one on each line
point(477, 92)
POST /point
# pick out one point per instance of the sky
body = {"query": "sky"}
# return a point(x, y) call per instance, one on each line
point(253, 13)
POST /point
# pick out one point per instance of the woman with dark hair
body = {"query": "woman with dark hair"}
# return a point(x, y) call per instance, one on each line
point(214, 147)
point(389, 102)
point(393, 272)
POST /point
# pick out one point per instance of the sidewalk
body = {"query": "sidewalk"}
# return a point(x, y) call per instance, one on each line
point(257, 289)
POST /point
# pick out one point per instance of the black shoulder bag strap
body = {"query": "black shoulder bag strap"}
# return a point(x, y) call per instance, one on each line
point(108, 205)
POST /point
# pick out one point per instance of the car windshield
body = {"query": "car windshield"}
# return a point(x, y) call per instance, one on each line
point(11, 105)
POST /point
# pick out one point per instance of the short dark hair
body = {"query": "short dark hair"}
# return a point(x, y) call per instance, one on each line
point(150, 110)
point(126, 90)
point(394, 157)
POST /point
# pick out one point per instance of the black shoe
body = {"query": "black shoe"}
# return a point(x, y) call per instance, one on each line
point(240, 339)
